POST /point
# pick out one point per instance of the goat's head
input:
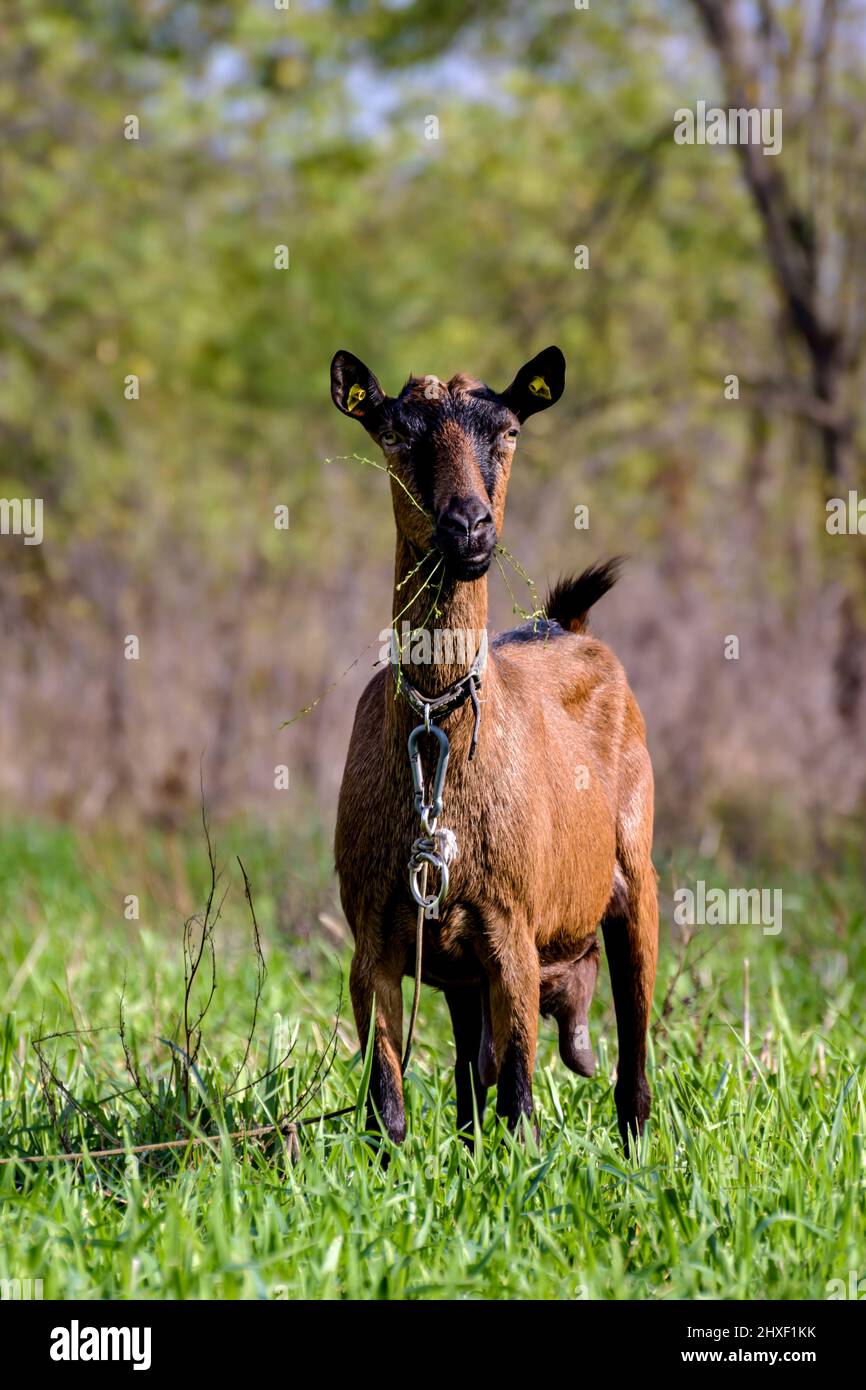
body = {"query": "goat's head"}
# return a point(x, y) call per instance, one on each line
point(448, 447)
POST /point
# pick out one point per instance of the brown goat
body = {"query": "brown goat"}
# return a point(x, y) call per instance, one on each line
point(553, 817)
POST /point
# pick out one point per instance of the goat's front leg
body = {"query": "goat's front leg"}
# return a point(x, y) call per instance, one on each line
point(515, 991)
point(381, 978)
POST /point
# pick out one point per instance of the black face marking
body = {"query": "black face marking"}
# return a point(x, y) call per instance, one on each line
point(418, 418)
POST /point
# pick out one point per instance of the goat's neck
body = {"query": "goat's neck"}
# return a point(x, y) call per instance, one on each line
point(461, 612)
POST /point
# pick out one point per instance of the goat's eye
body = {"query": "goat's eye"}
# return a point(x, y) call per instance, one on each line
point(388, 438)
point(512, 434)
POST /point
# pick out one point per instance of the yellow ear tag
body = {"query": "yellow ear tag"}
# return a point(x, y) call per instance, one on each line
point(356, 395)
point(539, 387)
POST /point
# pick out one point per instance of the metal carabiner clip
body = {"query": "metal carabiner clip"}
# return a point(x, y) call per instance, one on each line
point(434, 808)
point(431, 903)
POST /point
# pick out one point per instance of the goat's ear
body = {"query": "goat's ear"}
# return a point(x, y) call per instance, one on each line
point(538, 384)
point(354, 389)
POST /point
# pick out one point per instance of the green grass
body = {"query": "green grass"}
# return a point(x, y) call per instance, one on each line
point(750, 1183)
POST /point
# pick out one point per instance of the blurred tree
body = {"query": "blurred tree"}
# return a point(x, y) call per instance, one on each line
point(305, 128)
point(809, 65)
point(807, 61)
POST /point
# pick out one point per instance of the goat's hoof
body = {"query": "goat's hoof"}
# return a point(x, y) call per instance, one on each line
point(633, 1110)
point(391, 1126)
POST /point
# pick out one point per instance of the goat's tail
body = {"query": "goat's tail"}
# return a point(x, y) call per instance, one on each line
point(570, 600)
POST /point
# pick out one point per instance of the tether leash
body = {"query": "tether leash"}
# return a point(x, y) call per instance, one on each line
point(437, 847)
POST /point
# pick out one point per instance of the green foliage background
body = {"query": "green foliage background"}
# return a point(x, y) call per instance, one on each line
point(306, 128)
point(262, 127)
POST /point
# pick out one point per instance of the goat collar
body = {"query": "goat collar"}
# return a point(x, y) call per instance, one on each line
point(436, 707)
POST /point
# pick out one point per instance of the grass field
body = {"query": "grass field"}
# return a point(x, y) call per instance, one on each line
point(750, 1183)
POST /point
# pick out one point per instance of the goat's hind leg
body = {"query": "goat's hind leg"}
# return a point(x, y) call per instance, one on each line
point(475, 1068)
point(630, 928)
point(566, 994)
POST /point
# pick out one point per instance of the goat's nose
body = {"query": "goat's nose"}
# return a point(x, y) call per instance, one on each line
point(466, 518)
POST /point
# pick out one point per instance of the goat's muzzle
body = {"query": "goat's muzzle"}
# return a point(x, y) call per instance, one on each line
point(466, 535)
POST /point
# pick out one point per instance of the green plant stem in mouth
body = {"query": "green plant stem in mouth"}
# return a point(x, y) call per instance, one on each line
point(415, 568)
point(538, 610)
point(432, 611)
point(383, 468)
